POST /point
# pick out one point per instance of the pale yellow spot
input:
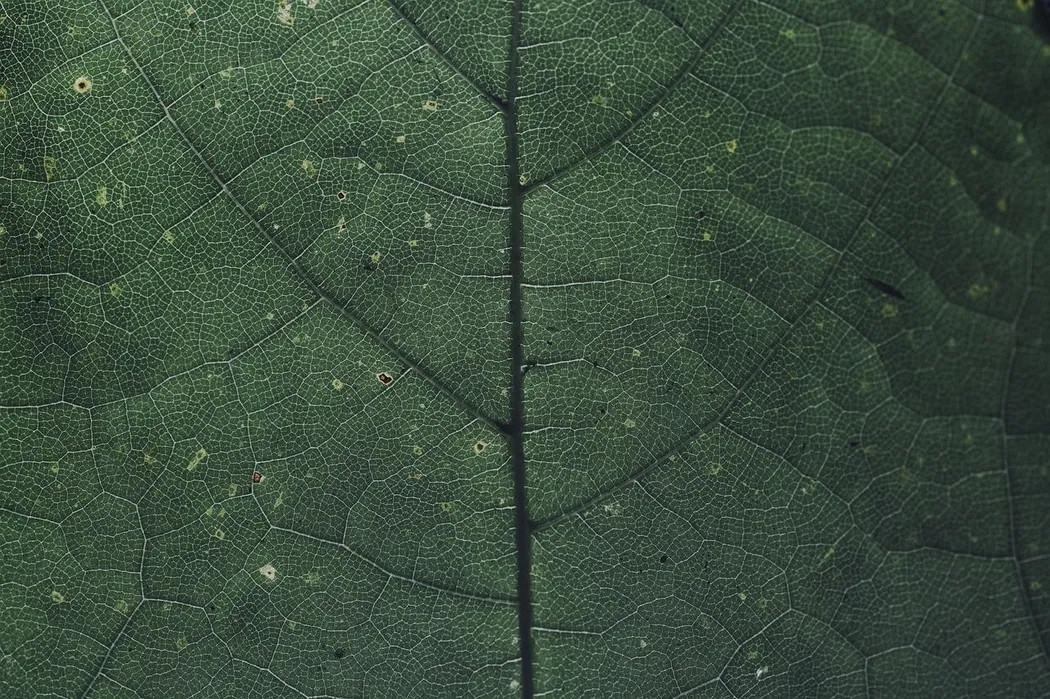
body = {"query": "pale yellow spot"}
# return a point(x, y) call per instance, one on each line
point(311, 578)
point(974, 150)
point(428, 220)
point(413, 243)
point(597, 99)
point(788, 34)
point(219, 534)
point(522, 178)
point(82, 84)
point(308, 167)
point(479, 446)
point(54, 467)
point(50, 167)
point(430, 105)
point(289, 103)
point(337, 384)
point(279, 501)
point(741, 596)
point(636, 353)
point(57, 597)
point(115, 289)
point(201, 454)
point(218, 104)
point(284, 12)
point(3, 93)
point(629, 423)
point(1001, 204)
point(731, 146)
point(446, 507)
point(121, 606)
point(1024, 5)
point(1019, 139)
point(977, 291)
point(268, 571)
point(400, 139)
point(226, 73)
point(181, 643)
point(376, 257)
point(190, 11)
point(828, 554)
point(952, 180)
point(417, 450)
point(707, 235)
point(889, 310)
point(100, 195)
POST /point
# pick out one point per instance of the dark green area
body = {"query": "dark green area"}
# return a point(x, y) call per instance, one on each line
point(750, 299)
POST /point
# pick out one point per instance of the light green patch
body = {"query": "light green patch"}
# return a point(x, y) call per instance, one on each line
point(430, 105)
point(337, 384)
point(57, 597)
point(788, 34)
point(447, 507)
point(50, 167)
point(100, 195)
point(889, 310)
point(115, 289)
point(196, 459)
point(181, 643)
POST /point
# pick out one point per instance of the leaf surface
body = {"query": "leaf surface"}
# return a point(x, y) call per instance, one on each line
point(588, 349)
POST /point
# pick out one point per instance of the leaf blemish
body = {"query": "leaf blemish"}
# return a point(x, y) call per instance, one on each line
point(82, 85)
point(384, 378)
point(885, 288)
point(268, 571)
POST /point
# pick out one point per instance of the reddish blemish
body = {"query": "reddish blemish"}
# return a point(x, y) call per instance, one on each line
point(256, 477)
point(385, 378)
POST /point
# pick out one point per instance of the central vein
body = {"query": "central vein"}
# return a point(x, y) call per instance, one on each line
point(516, 428)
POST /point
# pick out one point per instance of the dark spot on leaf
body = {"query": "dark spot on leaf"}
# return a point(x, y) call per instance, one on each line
point(256, 477)
point(1041, 19)
point(319, 99)
point(3, 261)
point(854, 443)
point(663, 558)
point(339, 653)
point(885, 288)
point(340, 196)
point(701, 215)
point(528, 366)
point(385, 378)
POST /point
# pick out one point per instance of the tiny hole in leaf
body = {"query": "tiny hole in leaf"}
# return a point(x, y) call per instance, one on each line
point(340, 196)
point(385, 378)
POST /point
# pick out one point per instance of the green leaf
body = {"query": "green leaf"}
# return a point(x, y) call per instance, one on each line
point(483, 348)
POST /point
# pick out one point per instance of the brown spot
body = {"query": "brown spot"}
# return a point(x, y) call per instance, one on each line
point(385, 378)
point(340, 196)
point(256, 477)
point(319, 99)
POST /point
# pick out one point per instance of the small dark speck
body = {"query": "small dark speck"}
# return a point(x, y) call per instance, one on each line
point(340, 653)
point(319, 99)
point(885, 288)
point(663, 558)
point(854, 443)
point(701, 215)
point(368, 265)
